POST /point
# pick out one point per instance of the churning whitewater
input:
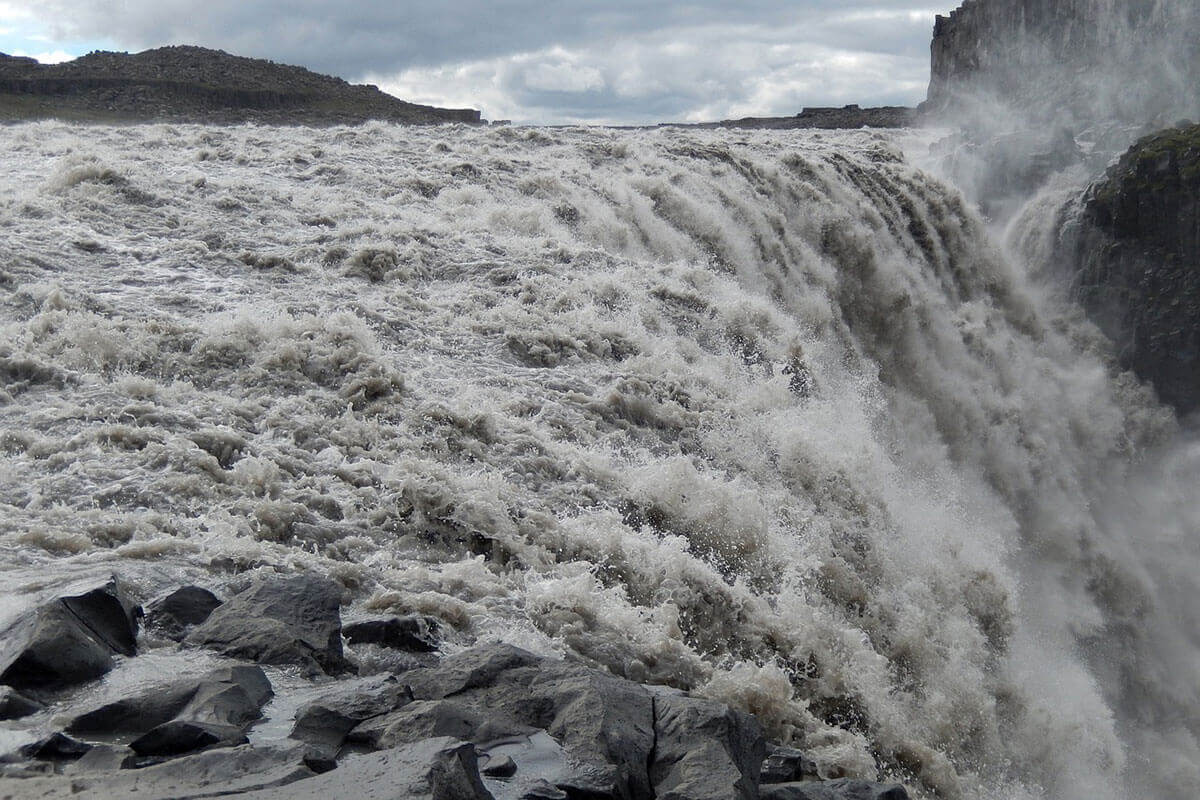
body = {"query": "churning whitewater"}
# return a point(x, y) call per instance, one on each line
point(763, 415)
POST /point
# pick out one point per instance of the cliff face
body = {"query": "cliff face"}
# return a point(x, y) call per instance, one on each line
point(1075, 61)
point(197, 84)
point(1137, 246)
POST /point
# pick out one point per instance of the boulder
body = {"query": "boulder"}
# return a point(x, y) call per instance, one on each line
point(14, 705)
point(786, 765)
point(325, 722)
point(434, 769)
point(56, 747)
point(231, 696)
point(704, 750)
point(280, 621)
point(500, 767)
point(604, 724)
point(70, 639)
point(841, 789)
point(415, 634)
point(181, 736)
point(177, 613)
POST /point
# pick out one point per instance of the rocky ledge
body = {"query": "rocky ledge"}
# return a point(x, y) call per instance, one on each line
point(194, 84)
point(1137, 247)
point(266, 695)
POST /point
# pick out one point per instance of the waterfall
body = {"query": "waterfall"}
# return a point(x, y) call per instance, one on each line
point(771, 418)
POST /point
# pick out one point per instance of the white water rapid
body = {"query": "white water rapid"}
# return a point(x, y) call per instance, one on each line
point(764, 415)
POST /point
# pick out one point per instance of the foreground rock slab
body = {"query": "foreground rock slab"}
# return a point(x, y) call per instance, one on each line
point(841, 789)
point(213, 773)
point(434, 769)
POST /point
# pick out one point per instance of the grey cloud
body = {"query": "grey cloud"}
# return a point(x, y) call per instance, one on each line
point(573, 60)
point(353, 37)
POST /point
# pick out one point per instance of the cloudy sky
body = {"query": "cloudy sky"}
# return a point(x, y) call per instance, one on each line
point(612, 61)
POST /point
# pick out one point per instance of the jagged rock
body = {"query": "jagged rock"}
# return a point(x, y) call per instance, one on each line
point(786, 765)
point(194, 84)
point(841, 789)
point(181, 736)
point(280, 621)
point(101, 758)
point(184, 608)
point(226, 696)
point(704, 750)
point(500, 767)
point(70, 639)
point(14, 705)
point(604, 724)
point(325, 722)
point(56, 747)
point(213, 773)
point(434, 769)
point(415, 634)
point(1137, 247)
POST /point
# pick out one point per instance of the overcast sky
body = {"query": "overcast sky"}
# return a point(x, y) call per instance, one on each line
point(606, 61)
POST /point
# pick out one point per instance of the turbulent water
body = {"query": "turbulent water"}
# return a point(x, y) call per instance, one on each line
point(762, 415)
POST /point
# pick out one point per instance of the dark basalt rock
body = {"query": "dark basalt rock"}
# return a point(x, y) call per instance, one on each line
point(500, 767)
point(226, 696)
point(1137, 247)
point(280, 621)
point(56, 747)
point(704, 750)
point(786, 765)
point(324, 723)
point(177, 613)
point(186, 736)
point(70, 639)
point(415, 634)
point(14, 705)
point(619, 738)
point(212, 773)
point(841, 789)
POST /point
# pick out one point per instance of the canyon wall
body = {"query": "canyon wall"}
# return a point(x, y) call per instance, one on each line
point(1068, 61)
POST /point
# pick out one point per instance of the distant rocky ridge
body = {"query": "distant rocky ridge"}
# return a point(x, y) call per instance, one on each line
point(195, 84)
point(829, 118)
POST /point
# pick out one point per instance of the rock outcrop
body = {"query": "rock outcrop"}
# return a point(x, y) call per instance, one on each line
point(1137, 247)
point(195, 84)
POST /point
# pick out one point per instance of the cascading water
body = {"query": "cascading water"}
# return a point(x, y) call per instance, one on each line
point(764, 416)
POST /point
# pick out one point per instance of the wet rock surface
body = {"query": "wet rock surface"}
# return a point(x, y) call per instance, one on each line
point(70, 639)
point(177, 613)
point(279, 621)
point(414, 633)
point(491, 721)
